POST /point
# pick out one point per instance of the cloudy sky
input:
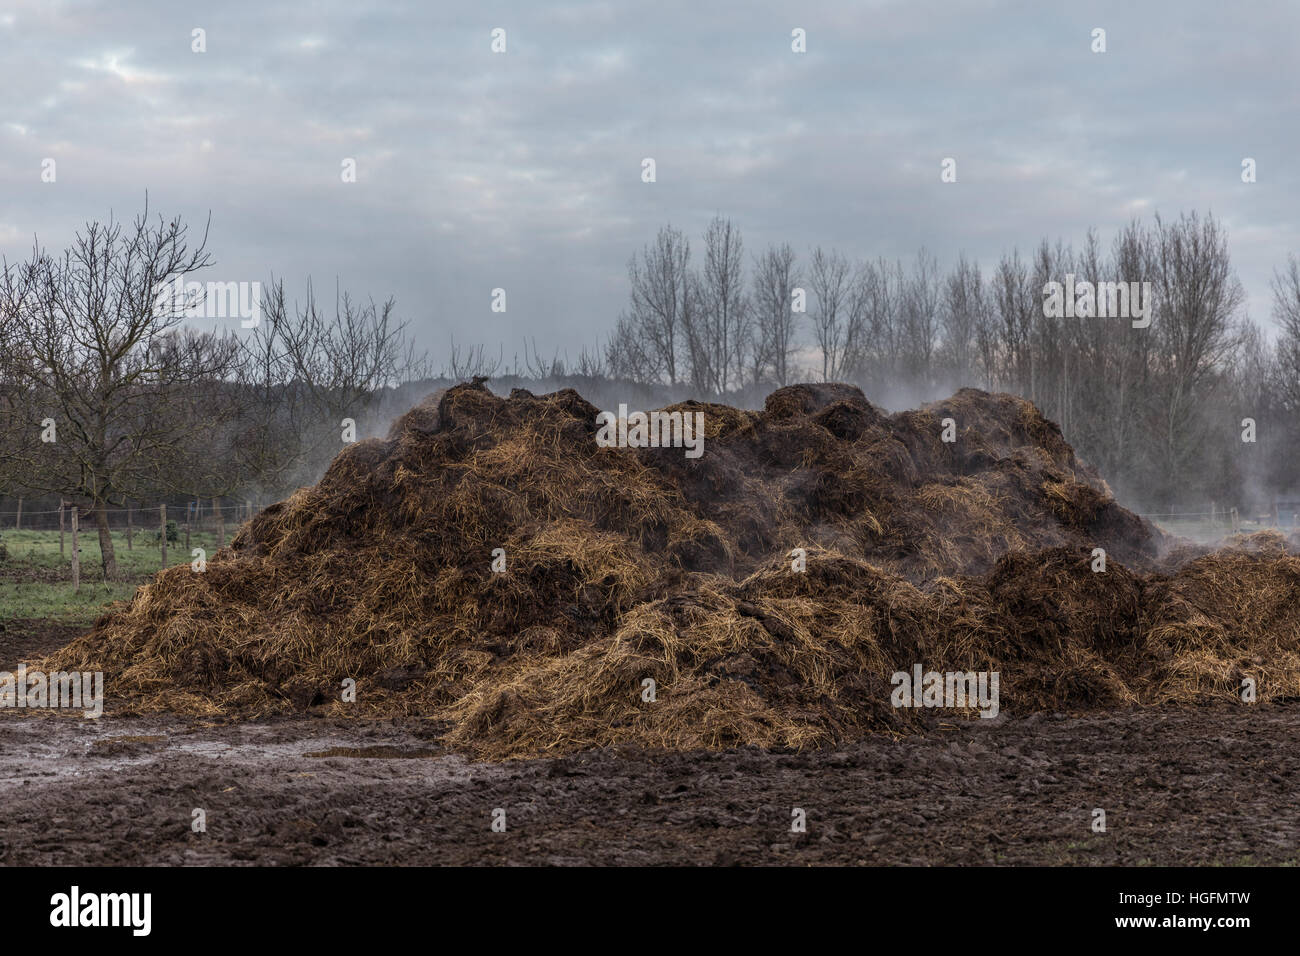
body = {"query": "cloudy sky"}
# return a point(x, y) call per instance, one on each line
point(522, 170)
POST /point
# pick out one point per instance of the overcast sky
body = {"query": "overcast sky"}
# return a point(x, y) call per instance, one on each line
point(522, 170)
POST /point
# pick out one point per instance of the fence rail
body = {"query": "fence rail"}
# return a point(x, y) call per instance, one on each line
point(195, 516)
point(117, 511)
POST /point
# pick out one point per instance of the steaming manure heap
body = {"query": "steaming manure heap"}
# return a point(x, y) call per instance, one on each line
point(628, 564)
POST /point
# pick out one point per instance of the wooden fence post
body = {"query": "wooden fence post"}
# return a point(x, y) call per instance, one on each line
point(162, 515)
point(221, 523)
point(76, 554)
point(130, 531)
point(18, 520)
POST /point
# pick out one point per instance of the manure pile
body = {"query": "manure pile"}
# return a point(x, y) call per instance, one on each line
point(628, 564)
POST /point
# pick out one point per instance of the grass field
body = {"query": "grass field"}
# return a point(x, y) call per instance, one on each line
point(36, 580)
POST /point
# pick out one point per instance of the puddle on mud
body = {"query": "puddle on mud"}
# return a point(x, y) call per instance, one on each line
point(382, 753)
point(128, 739)
point(44, 751)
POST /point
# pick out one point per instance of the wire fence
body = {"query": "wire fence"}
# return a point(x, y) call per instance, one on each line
point(207, 510)
point(11, 518)
point(164, 526)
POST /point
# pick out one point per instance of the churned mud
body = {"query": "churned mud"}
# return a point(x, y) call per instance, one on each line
point(21, 639)
point(1197, 786)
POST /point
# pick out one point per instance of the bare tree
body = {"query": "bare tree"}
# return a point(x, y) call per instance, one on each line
point(921, 319)
point(965, 320)
point(1197, 299)
point(314, 368)
point(1286, 313)
point(661, 292)
point(1016, 303)
point(1051, 338)
point(1117, 412)
point(775, 279)
point(541, 368)
point(591, 364)
point(626, 356)
point(464, 364)
point(723, 315)
point(882, 286)
point(108, 396)
point(838, 315)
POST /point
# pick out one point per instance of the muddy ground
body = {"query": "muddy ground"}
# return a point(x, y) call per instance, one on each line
point(1214, 785)
point(1210, 786)
point(28, 639)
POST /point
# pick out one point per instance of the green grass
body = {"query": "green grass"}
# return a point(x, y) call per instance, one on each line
point(40, 550)
point(36, 581)
point(56, 602)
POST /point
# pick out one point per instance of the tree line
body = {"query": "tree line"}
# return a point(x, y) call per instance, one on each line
point(1161, 410)
point(110, 395)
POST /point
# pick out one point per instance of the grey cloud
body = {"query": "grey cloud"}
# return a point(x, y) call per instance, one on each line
point(522, 170)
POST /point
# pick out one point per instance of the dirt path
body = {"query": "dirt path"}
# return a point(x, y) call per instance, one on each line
point(1190, 787)
point(26, 639)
